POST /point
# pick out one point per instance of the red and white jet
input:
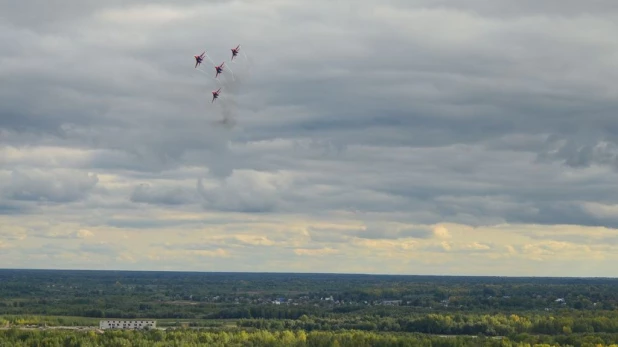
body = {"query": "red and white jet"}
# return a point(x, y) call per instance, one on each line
point(199, 58)
point(219, 69)
point(215, 95)
point(235, 51)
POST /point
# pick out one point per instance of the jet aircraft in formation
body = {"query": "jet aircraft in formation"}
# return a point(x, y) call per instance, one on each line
point(199, 59)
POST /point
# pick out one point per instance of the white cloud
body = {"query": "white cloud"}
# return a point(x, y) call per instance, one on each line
point(441, 232)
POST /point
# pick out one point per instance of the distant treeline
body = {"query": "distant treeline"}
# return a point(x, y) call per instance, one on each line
point(111, 294)
point(377, 309)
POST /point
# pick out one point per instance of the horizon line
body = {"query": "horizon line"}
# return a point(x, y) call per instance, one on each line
point(314, 273)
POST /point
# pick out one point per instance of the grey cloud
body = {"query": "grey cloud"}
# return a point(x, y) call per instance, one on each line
point(39, 186)
point(140, 223)
point(581, 151)
point(550, 8)
point(474, 187)
point(478, 112)
point(57, 15)
point(13, 208)
point(377, 233)
point(145, 193)
point(242, 193)
point(362, 114)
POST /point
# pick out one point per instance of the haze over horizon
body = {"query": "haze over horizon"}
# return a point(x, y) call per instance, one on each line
point(402, 137)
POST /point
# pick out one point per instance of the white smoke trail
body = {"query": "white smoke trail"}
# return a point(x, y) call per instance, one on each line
point(209, 75)
point(226, 103)
point(231, 72)
point(213, 63)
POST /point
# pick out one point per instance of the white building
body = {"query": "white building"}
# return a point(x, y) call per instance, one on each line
point(127, 324)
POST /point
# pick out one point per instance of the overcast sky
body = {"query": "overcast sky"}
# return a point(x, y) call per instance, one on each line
point(475, 137)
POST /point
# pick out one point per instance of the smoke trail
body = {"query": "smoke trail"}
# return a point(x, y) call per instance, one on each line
point(209, 75)
point(213, 63)
point(231, 72)
point(228, 111)
point(230, 89)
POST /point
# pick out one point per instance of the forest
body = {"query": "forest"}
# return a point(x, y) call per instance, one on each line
point(272, 309)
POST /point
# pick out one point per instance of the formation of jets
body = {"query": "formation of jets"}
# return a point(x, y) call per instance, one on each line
point(199, 59)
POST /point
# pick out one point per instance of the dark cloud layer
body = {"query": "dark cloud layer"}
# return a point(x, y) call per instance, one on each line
point(477, 112)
